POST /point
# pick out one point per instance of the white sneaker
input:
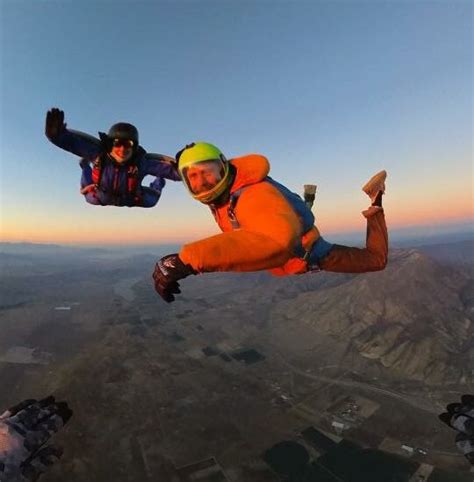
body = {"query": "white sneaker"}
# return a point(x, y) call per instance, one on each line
point(375, 184)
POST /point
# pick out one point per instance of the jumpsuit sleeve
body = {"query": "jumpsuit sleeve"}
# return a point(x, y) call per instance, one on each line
point(160, 166)
point(80, 145)
point(269, 230)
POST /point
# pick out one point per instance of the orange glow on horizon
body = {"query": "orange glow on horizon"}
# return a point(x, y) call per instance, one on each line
point(113, 238)
point(151, 228)
point(327, 226)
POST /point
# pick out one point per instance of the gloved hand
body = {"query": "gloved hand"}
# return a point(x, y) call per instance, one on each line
point(460, 416)
point(168, 271)
point(54, 123)
point(24, 429)
point(158, 184)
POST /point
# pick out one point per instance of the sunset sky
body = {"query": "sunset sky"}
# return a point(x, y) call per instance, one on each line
point(331, 92)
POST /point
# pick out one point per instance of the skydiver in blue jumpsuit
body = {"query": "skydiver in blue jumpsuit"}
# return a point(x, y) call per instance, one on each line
point(113, 167)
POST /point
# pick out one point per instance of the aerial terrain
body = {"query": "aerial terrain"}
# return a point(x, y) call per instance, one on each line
point(246, 377)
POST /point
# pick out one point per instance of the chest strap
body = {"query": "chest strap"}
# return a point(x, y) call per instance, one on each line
point(234, 197)
point(132, 174)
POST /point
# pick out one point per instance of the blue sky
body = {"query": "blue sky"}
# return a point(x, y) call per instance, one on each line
point(330, 92)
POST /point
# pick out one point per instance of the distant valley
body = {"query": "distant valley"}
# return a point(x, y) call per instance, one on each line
point(167, 382)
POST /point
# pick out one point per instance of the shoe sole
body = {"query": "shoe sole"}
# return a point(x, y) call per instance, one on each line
point(375, 183)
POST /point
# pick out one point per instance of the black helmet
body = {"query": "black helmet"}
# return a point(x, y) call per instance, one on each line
point(122, 130)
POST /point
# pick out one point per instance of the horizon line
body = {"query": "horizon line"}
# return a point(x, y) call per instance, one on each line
point(409, 231)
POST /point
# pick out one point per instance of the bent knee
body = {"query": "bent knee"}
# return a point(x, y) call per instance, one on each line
point(380, 262)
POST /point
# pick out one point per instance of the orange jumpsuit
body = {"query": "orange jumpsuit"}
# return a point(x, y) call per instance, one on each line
point(270, 231)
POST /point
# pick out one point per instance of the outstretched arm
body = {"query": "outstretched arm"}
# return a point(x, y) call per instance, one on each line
point(269, 229)
point(160, 165)
point(76, 142)
point(268, 234)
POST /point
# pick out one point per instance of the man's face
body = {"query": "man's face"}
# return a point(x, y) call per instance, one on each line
point(122, 150)
point(203, 176)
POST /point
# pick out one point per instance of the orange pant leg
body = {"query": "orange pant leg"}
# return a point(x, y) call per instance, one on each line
point(345, 259)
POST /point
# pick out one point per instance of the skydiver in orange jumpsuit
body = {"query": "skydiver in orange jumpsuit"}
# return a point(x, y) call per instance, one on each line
point(264, 225)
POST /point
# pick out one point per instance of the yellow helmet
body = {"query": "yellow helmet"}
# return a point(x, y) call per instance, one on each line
point(202, 152)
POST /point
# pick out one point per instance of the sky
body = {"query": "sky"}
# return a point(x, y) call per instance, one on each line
point(329, 91)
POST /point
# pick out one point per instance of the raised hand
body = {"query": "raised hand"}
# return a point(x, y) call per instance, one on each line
point(54, 123)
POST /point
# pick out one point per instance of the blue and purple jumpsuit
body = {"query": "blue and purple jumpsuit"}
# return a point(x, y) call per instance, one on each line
point(113, 188)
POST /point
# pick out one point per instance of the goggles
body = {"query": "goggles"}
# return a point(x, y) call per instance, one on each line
point(126, 143)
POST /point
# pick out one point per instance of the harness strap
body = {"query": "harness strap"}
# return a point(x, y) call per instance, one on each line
point(234, 197)
point(132, 177)
point(308, 241)
point(97, 171)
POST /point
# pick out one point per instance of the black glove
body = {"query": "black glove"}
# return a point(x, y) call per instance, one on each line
point(54, 123)
point(168, 271)
point(460, 416)
point(24, 430)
